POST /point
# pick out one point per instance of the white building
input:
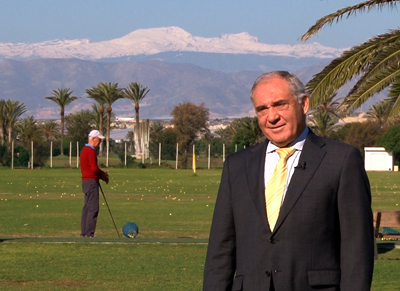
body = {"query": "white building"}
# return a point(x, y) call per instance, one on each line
point(378, 159)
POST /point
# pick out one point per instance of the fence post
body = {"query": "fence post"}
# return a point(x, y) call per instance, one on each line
point(70, 153)
point(51, 154)
point(108, 149)
point(209, 156)
point(125, 154)
point(77, 154)
point(159, 154)
point(12, 155)
point(176, 163)
point(32, 154)
point(194, 160)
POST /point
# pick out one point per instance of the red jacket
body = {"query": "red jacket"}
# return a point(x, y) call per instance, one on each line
point(89, 168)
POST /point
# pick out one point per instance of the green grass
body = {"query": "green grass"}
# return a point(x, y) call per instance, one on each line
point(39, 266)
point(163, 202)
point(44, 207)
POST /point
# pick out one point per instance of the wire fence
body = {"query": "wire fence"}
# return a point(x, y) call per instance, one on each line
point(206, 157)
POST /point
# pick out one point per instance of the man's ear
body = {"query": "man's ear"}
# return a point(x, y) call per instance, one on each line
point(305, 103)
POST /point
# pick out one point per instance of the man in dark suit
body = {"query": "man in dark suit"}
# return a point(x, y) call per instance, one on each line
point(323, 236)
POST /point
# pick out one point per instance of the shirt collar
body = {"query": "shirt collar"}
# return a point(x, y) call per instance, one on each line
point(89, 145)
point(297, 143)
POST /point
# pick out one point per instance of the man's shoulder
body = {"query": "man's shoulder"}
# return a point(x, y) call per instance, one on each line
point(328, 142)
point(87, 150)
point(334, 148)
point(253, 149)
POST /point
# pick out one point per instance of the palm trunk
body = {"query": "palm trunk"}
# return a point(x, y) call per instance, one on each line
point(62, 131)
point(9, 134)
point(101, 112)
point(1, 134)
point(109, 110)
point(137, 132)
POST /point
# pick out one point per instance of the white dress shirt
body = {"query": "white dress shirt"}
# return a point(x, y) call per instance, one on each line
point(272, 158)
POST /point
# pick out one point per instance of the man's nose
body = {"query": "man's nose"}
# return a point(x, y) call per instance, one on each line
point(273, 115)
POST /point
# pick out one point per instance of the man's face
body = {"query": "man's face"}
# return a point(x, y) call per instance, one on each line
point(280, 116)
point(96, 141)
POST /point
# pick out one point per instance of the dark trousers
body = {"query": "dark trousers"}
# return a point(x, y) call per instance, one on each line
point(90, 209)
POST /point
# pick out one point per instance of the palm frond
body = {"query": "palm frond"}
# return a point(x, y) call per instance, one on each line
point(352, 63)
point(375, 84)
point(394, 97)
point(338, 72)
point(346, 12)
point(389, 55)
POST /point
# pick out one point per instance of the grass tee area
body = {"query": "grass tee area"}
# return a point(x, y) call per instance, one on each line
point(40, 225)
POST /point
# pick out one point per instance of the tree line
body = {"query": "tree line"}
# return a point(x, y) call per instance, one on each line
point(189, 126)
point(26, 130)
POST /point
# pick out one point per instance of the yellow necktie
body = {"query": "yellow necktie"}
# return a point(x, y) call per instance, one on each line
point(276, 186)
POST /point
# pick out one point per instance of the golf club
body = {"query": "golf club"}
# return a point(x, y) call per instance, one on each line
point(109, 209)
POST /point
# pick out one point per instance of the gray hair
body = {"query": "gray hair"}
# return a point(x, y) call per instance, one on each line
point(296, 87)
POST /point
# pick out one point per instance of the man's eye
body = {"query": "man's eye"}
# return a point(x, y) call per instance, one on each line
point(281, 106)
point(262, 111)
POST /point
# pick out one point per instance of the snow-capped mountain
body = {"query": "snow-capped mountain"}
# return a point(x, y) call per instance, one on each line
point(161, 40)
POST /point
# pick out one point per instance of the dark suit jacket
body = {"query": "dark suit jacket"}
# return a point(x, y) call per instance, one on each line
point(323, 238)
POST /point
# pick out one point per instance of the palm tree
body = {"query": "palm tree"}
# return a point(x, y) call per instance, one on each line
point(95, 93)
point(136, 92)
point(100, 120)
point(62, 97)
point(251, 124)
point(12, 111)
point(28, 131)
point(323, 118)
point(130, 137)
point(331, 106)
point(109, 94)
point(223, 132)
point(374, 61)
point(50, 130)
point(322, 123)
point(380, 112)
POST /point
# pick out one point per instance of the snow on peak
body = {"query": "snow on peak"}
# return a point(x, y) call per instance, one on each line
point(156, 40)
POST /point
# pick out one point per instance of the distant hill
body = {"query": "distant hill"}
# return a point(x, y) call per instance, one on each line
point(225, 94)
point(175, 65)
point(153, 41)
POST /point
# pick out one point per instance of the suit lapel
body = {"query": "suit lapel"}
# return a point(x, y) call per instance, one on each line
point(312, 154)
point(255, 178)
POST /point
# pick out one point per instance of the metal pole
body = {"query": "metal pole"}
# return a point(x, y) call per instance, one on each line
point(125, 154)
point(12, 155)
point(209, 156)
point(194, 160)
point(108, 150)
point(51, 154)
point(70, 153)
point(176, 163)
point(105, 200)
point(32, 154)
point(77, 154)
point(159, 154)
point(223, 152)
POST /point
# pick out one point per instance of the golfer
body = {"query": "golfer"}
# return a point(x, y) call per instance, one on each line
point(91, 174)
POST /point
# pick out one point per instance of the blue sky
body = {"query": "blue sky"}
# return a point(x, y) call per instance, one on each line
point(273, 22)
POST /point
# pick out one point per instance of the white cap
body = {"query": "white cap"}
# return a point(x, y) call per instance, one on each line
point(96, 133)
